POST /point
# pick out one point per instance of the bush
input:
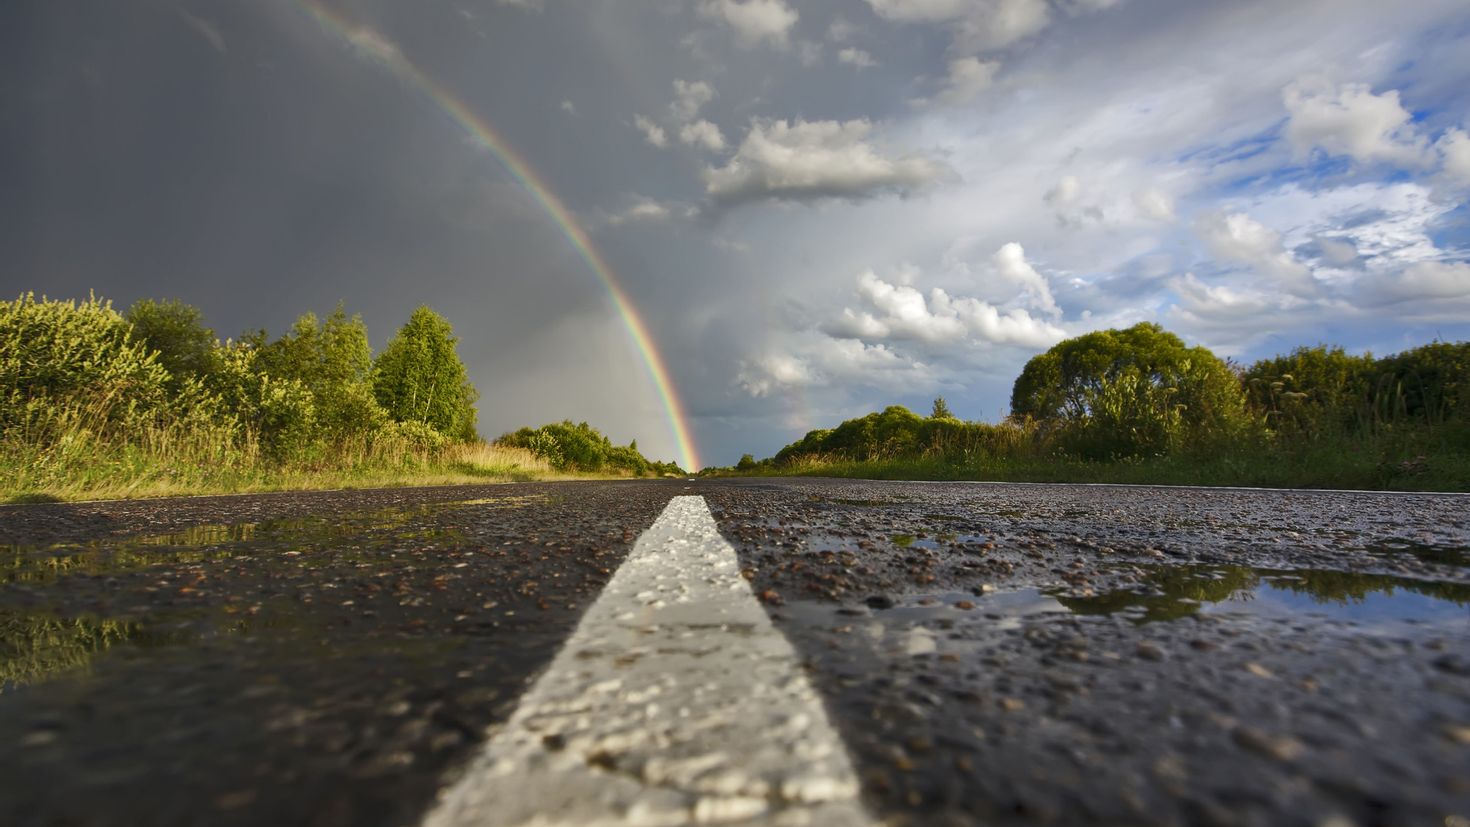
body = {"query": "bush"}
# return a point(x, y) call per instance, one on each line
point(279, 413)
point(1133, 392)
point(580, 447)
point(62, 354)
point(175, 332)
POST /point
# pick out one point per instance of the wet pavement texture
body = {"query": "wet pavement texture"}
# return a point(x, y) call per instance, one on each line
point(283, 659)
point(1007, 654)
point(1014, 654)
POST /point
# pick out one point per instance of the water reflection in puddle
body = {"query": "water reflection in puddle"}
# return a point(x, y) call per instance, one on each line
point(38, 642)
point(47, 563)
point(1428, 552)
point(1168, 593)
point(1362, 602)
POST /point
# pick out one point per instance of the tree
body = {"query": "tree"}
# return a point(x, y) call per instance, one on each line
point(334, 361)
point(419, 378)
point(941, 409)
point(176, 332)
point(1130, 392)
point(746, 462)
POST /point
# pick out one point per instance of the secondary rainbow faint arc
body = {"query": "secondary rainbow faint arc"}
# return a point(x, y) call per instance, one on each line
point(387, 55)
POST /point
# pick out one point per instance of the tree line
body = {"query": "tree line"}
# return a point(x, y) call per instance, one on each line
point(1141, 393)
point(87, 391)
point(68, 365)
point(579, 446)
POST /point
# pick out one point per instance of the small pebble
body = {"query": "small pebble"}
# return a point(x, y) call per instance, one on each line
point(1149, 651)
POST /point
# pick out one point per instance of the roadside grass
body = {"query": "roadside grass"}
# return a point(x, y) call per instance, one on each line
point(83, 466)
point(1416, 459)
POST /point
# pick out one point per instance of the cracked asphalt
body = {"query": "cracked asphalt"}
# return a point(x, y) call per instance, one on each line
point(990, 654)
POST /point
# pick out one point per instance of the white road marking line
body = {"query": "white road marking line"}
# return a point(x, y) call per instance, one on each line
point(675, 701)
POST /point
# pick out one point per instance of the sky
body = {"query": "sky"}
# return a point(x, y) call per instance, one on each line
point(817, 208)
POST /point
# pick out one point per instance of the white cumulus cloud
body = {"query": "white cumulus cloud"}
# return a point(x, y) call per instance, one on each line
point(689, 98)
point(702, 134)
point(1154, 204)
point(1454, 150)
point(824, 361)
point(1011, 265)
point(1424, 281)
point(900, 312)
point(652, 132)
point(754, 21)
point(979, 24)
point(856, 57)
point(1237, 237)
point(813, 160)
point(968, 77)
point(1351, 120)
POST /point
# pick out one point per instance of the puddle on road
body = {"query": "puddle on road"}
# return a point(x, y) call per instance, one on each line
point(1169, 593)
point(39, 564)
point(1364, 603)
point(1428, 552)
point(37, 643)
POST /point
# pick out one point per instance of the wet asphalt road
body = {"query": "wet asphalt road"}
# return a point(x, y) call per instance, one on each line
point(1005, 654)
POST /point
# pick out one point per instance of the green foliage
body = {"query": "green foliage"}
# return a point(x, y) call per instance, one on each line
point(746, 463)
point(1429, 384)
point(1134, 392)
point(279, 414)
point(419, 378)
point(1312, 390)
point(1322, 391)
point(333, 360)
point(941, 409)
point(580, 447)
point(176, 333)
point(1138, 406)
point(898, 432)
point(95, 404)
point(55, 353)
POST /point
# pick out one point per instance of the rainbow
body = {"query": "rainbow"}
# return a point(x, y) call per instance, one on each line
point(387, 55)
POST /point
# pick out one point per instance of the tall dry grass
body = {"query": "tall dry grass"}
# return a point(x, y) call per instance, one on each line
point(76, 450)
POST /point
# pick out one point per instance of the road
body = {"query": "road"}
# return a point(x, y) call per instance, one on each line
point(741, 652)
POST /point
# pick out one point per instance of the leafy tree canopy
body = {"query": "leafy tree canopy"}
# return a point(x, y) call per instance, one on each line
point(176, 332)
point(419, 377)
point(1130, 392)
point(333, 360)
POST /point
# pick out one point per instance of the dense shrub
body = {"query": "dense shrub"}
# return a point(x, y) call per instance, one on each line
point(1312, 390)
point(580, 447)
point(176, 333)
point(62, 354)
point(897, 432)
point(1134, 392)
point(1428, 385)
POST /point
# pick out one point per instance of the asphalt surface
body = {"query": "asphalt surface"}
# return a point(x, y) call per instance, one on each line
point(1007, 654)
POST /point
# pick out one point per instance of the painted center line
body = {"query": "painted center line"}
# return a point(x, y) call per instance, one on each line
point(675, 701)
